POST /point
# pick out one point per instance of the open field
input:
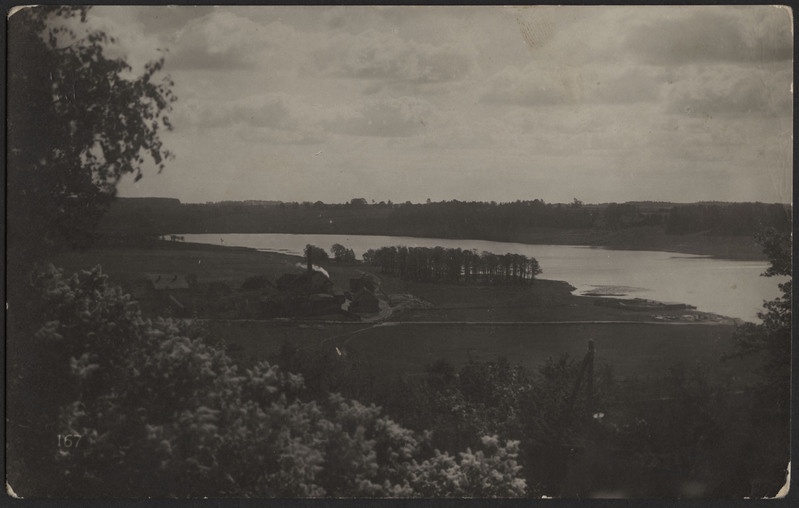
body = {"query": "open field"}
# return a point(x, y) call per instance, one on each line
point(544, 300)
point(210, 263)
point(637, 347)
point(640, 349)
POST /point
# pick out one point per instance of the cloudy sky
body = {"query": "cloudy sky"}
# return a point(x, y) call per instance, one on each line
point(470, 103)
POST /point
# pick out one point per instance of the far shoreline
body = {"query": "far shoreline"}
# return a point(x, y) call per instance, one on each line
point(718, 229)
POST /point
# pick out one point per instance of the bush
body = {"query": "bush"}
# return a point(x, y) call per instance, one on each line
point(162, 413)
point(343, 255)
point(255, 282)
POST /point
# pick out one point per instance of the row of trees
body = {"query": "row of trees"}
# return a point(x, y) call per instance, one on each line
point(439, 264)
point(341, 254)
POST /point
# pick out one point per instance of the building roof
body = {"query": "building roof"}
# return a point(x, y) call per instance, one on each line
point(304, 281)
point(364, 294)
point(162, 281)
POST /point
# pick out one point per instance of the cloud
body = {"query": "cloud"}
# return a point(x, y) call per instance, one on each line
point(415, 102)
point(732, 91)
point(632, 85)
point(169, 18)
point(131, 41)
point(384, 55)
point(546, 85)
point(714, 34)
point(275, 118)
point(382, 117)
point(531, 87)
point(574, 35)
point(270, 110)
point(222, 40)
point(285, 118)
point(268, 135)
point(657, 35)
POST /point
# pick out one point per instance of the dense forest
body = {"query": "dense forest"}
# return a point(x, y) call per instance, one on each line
point(438, 264)
point(529, 221)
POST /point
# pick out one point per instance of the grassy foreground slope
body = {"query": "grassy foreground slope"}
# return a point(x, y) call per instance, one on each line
point(631, 349)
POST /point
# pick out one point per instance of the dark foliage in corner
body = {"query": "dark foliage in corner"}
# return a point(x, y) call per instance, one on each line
point(77, 122)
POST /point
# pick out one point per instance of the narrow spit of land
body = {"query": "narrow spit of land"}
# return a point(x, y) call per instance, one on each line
point(525, 324)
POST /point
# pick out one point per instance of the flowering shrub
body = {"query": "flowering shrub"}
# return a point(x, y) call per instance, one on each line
point(490, 472)
point(162, 413)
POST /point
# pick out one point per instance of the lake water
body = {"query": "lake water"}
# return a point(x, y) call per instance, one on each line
point(729, 288)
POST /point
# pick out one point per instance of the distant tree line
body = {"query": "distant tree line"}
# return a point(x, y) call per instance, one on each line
point(727, 220)
point(341, 255)
point(438, 264)
point(445, 219)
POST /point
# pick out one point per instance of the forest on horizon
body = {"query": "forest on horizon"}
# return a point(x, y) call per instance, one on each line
point(533, 221)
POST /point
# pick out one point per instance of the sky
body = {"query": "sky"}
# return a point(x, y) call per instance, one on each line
point(601, 104)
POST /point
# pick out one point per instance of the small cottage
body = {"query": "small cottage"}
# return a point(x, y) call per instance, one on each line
point(364, 281)
point(305, 283)
point(161, 281)
point(364, 301)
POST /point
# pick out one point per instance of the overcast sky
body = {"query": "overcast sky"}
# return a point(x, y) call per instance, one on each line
point(470, 103)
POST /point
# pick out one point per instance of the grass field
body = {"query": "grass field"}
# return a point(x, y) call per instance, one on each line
point(636, 348)
point(210, 263)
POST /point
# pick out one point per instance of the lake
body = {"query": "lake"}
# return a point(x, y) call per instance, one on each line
point(729, 288)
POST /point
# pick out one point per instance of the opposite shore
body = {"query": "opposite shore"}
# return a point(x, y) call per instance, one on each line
point(719, 230)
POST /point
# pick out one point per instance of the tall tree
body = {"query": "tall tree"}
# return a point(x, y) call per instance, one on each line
point(342, 254)
point(314, 254)
point(771, 339)
point(78, 120)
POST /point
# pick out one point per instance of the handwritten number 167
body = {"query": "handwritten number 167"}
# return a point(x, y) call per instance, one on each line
point(69, 440)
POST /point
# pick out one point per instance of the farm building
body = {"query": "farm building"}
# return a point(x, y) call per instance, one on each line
point(322, 303)
point(310, 293)
point(364, 301)
point(364, 281)
point(165, 292)
point(305, 283)
point(161, 281)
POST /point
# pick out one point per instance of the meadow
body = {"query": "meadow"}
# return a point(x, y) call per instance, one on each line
point(525, 324)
